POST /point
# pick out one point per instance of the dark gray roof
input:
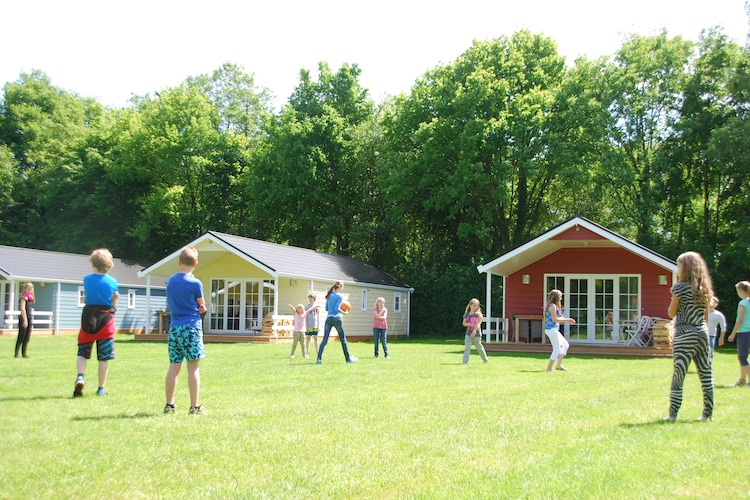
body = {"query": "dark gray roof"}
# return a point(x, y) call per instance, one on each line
point(25, 264)
point(303, 262)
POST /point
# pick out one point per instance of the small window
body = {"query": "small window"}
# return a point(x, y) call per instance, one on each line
point(81, 296)
point(397, 302)
point(364, 300)
point(131, 299)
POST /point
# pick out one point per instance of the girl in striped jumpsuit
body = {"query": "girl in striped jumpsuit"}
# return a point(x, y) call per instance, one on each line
point(691, 296)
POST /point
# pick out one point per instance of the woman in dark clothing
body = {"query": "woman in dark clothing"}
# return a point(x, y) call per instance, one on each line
point(25, 320)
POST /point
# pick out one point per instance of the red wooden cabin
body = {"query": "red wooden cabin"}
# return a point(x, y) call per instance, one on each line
point(598, 272)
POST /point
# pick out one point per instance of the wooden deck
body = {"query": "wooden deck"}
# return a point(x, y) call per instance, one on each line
point(583, 349)
point(257, 339)
point(575, 349)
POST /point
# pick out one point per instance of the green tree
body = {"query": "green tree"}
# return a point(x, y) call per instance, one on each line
point(643, 91)
point(470, 162)
point(314, 179)
point(188, 164)
point(44, 127)
point(8, 169)
point(698, 181)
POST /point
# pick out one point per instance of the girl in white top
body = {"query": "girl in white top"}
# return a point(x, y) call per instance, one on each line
point(715, 318)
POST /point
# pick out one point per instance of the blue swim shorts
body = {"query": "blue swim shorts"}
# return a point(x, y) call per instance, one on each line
point(185, 343)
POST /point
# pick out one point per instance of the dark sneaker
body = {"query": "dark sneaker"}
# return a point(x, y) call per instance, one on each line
point(198, 410)
point(169, 409)
point(80, 384)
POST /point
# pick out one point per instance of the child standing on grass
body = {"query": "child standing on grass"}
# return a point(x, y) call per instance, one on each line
point(691, 296)
point(472, 321)
point(380, 326)
point(97, 320)
point(25, 319)
point(741, 332)
point(185, 342)
point(312, 323)
point(716, 320)
point(553, 318)
point(333, 308)
point(299, 328)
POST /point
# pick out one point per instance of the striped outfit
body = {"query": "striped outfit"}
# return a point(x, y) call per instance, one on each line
point(690, 343)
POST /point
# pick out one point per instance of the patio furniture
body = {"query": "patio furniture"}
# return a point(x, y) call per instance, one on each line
point(643, 334)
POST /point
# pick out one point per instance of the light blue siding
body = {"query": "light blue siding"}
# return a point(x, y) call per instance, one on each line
point(125, 319)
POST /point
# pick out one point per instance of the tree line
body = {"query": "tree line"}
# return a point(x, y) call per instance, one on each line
point(480, 156)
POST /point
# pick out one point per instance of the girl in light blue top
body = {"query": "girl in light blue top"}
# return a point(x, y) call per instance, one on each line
point(553, 315)
point(741, 332)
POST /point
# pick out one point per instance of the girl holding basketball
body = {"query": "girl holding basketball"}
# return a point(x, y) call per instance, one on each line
point(333, 308)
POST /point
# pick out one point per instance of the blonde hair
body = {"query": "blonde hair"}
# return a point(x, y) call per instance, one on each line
point(29, 286)
point(693, 269)
point(554, 297)
point(379, 299)
point(480, 316)
point(474, 301)
point(744, 286)
point(336, 286)
point(189, 256)
point(101, 259)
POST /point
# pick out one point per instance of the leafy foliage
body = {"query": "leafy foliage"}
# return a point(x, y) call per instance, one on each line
point(484, 153)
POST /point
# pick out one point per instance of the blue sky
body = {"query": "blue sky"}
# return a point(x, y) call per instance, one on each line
point(112, 49)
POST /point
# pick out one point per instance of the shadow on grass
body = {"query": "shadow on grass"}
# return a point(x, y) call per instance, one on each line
point(30, 398)
point(661, 421)
point(121, 415)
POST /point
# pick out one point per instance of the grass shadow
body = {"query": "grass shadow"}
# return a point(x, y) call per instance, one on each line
point(661, 421)
point(112, 417)
point(30, 398)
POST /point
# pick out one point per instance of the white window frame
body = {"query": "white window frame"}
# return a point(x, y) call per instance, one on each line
point(364, 300)
point(590, 318)
point(131, 298)
point(397, 303)
point(81, 296)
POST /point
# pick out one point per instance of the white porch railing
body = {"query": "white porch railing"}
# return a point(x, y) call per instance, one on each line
point(42, 319)
point(497, 327)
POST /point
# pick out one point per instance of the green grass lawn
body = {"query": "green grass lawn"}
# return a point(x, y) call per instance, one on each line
point(420, 425)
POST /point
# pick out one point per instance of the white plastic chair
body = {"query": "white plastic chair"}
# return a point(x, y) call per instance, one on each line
point(642, 335)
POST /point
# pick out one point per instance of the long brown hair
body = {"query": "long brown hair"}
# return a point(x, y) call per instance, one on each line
point(693, 269)
point(335, 286)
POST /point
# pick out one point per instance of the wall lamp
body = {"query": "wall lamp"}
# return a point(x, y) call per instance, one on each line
point(526, 279)
point(662, 279)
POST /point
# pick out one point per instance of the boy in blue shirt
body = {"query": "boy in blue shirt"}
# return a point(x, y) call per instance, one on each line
point(186, 308)
point(97, 320)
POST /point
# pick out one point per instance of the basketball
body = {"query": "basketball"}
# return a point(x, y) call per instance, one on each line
point(345, 306)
